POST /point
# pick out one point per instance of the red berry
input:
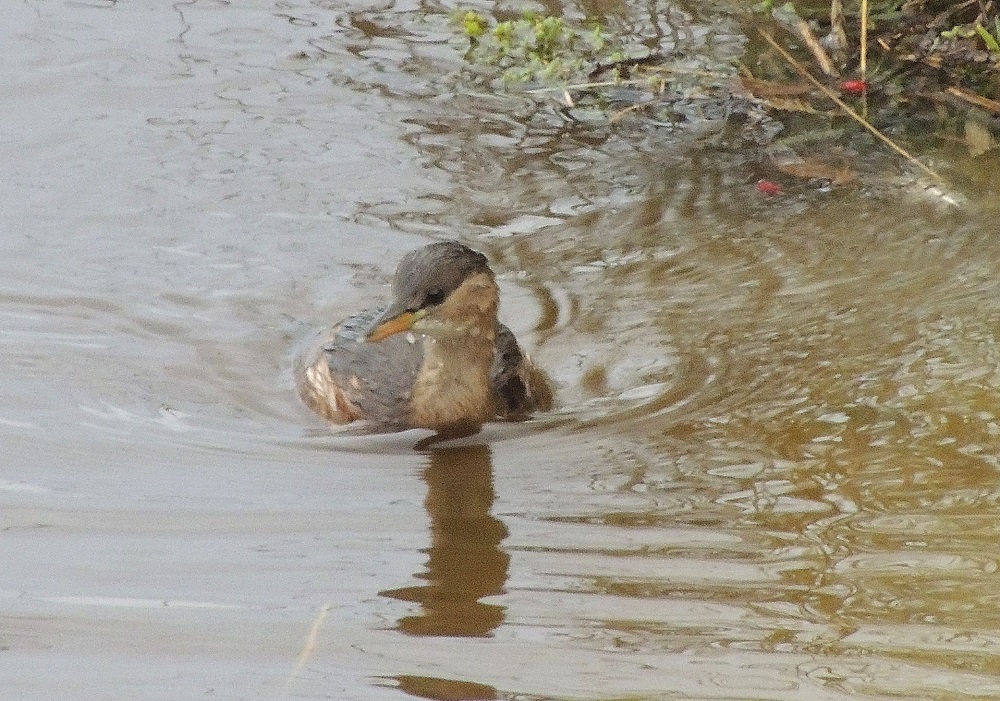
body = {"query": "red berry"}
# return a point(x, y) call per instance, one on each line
point(768, 187)
point(854, 87)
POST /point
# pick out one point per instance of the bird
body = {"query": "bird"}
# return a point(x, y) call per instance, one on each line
point(436, 357)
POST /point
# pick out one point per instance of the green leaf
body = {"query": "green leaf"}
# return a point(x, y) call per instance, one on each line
point(474, 24)
point(988, 39)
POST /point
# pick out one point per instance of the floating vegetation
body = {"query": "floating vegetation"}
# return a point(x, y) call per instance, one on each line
point(581, 65)
point(535, 48)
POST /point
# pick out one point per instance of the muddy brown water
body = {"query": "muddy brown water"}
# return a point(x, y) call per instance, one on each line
point(772, 473)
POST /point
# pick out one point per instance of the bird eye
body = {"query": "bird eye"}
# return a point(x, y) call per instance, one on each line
point(434, 297)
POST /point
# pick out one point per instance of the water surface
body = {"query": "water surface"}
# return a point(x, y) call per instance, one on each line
point(772, 473)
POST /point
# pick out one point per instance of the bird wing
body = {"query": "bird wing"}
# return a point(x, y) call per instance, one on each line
point(520, 387)
point(376, 378)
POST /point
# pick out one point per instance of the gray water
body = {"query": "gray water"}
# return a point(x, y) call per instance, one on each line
point(772, 473)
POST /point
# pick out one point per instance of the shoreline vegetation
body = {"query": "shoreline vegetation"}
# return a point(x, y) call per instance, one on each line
point(910, 76)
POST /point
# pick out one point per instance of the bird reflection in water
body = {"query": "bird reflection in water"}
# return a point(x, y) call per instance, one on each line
point(465, 562)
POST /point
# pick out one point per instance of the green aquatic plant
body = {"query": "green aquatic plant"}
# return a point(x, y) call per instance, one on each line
point(534, 48)
point(990, 39)
point(474, 25)
point(958, 32)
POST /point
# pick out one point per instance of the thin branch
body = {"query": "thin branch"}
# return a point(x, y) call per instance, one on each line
point(864, 39)
point(846, 108)
point(818, 52)
point(974, 99)
point(307, 648)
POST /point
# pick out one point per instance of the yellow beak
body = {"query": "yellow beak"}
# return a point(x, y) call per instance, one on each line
point(396, 324)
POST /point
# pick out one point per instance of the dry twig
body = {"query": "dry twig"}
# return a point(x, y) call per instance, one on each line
point(864, 40)
point(837, 39)
point(846, 108)
point(974, 99)
point(307, 648)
